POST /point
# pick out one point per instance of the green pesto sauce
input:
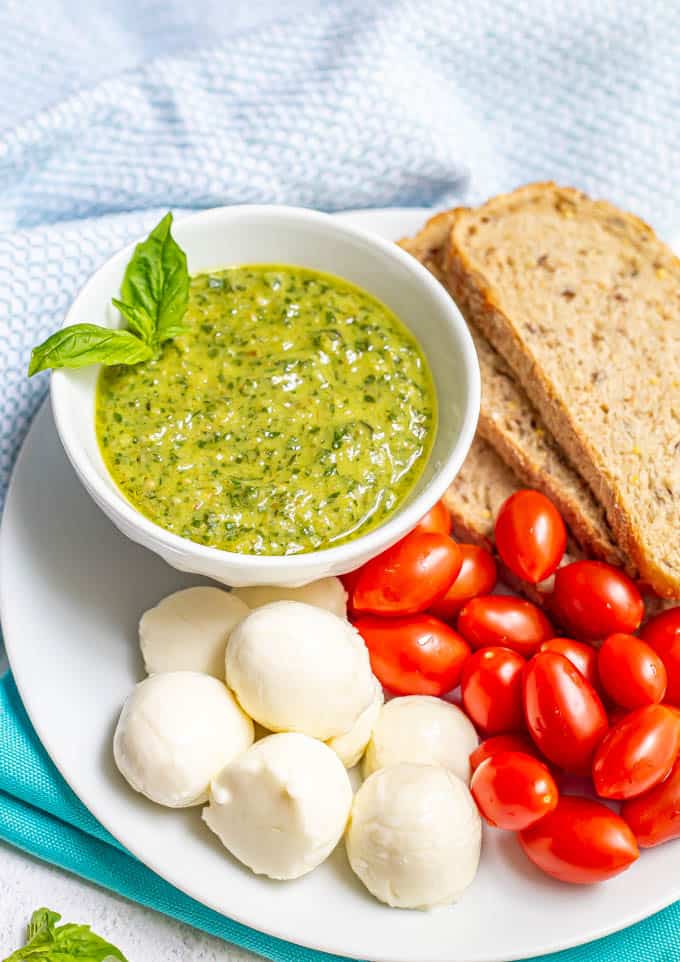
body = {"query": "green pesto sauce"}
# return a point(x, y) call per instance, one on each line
point(296, 413)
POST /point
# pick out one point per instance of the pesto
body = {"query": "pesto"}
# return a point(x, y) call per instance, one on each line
point(295, 413)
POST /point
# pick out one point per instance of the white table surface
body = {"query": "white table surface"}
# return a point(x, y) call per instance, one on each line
point(141, 934)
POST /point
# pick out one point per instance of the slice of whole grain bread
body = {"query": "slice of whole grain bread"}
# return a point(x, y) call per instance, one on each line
point(583, 302)
point(510, 423)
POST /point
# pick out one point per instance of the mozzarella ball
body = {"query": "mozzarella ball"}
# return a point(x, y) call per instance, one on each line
point(294, 667)
point(282, 806)
point(327, 593)
point(414, 836)
point(425, 730)
point(351, 746)
point(176, 731)
point(188, 631)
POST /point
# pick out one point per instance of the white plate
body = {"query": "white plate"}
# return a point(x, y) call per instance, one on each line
point(72, 591)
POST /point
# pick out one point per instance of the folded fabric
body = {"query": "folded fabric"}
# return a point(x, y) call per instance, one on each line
point(110, 107)
point(40, 814)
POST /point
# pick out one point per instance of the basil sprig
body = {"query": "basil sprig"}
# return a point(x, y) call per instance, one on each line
point(154, 298)
point(47, 942)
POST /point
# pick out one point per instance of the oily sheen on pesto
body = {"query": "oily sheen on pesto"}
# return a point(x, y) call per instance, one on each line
point(296, 413)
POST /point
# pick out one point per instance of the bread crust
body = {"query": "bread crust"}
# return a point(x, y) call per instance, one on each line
point(470, 286)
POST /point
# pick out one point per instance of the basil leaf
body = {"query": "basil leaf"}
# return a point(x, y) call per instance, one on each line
point(41, 927)
point(67, 943)
point(138, 320)
point(80, 943)
point(155, 288)
point(83, 344)
point(155, 295)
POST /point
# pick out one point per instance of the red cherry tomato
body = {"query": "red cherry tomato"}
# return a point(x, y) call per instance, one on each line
point(631, 672)
point(408, 577)
point(491, 686)
point(513, 790)
point(655, 816)
point(581, 842)
point(663, 634)
point(616, 715)
point(502, 743)
point(563, 712)
point(477, 576)
point(530, 535)
point(638, 753)
point(413, 654)
point(436, 521)
point(581, 655)
point(349, 580)
point(592, 599)
point(504, 620)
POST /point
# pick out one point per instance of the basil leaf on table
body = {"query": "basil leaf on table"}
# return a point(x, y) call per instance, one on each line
point(45, 942)
point(155, 289)
point(39, 930)
point(154, 299)
point(83, 344)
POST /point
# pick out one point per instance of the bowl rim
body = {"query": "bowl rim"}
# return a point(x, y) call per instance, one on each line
point(369, 544)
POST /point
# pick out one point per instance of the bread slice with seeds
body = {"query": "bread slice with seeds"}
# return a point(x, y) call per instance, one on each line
point(511, 424)
point(583, 302)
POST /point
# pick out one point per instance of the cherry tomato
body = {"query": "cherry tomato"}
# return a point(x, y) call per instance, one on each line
point(663, 634)
point(477, 576)
point(413, 654)
point(581, 841)
point(655, 816)
point(631, 672)
point(350, 579)
point(436, 521)
point(581, 655)
point(408, 577)
point(563, 712)
point(513, 790)
point(502, 743)
point(592, 599)
point(616, 715)
point(530, 535)
point(491, 686)
point(638, 753)
point(504, 620)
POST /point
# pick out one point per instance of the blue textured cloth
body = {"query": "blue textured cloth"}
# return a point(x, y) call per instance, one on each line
point(115, 110)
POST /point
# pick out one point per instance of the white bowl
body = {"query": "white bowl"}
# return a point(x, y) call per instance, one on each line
point(285, 235)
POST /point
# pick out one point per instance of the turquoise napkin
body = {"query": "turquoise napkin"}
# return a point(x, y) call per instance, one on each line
point(40, 815)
